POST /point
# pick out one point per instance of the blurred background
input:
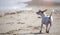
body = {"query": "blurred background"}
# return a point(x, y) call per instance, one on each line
point(45, 2)
point(26, 4)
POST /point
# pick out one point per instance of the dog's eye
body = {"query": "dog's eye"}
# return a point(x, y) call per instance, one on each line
point(41, 12)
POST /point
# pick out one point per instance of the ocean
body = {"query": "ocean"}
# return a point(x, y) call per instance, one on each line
point(14, 5)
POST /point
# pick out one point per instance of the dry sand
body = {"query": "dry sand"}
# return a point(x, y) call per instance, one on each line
point(27, 23)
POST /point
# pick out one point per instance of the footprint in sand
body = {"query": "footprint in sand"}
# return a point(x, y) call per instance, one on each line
point(19, 29)
point(36, 28)
point(11, 23)
point(29, 26)
point(0, 15)
point(20, 23)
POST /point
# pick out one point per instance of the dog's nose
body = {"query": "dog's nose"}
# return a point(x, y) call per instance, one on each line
point(36, 12)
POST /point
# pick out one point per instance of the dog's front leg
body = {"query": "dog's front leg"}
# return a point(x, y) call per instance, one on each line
point(47, 28)
point(41, 28)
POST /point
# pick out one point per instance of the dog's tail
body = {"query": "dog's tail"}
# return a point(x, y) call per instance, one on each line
point(50, 15)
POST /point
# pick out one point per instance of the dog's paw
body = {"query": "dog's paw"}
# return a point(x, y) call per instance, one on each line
point(47, 31)
point(39, 17)
point(40, 32)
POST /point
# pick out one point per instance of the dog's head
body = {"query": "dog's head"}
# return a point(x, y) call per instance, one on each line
point(41, 12)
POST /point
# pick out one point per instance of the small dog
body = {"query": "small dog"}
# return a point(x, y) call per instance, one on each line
point(45, 20)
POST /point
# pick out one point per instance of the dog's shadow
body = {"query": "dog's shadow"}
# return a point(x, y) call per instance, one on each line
point(32, 33)
point(37, 33)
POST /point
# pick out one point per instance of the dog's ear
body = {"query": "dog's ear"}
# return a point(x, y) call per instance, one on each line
point(39, 10)
point(45, 10)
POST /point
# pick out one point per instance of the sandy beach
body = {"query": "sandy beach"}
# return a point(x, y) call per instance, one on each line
point(27, 22)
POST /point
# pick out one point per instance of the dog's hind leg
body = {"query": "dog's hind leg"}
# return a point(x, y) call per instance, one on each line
point(47, 31)
point(49, 27)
